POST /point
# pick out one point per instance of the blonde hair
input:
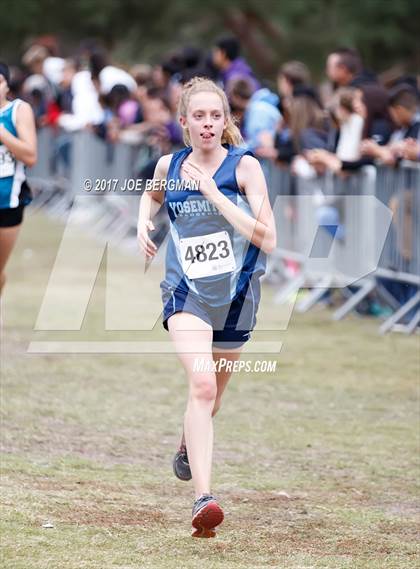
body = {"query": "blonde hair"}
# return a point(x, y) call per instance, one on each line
point(231, 133)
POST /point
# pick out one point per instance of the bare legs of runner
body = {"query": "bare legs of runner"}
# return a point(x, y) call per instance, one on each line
point(8, 236)
point(192, 338)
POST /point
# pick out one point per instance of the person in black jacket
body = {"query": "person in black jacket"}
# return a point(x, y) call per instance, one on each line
point(403, 108)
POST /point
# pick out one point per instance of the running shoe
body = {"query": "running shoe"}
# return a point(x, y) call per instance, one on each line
point(206, 515)
point(180, 463)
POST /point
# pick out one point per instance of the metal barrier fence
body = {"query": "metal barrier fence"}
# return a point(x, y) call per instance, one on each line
point(400, 259)
point(360, 233)
point(66, 161)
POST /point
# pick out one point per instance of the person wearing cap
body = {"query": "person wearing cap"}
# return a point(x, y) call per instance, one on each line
point(17, 150)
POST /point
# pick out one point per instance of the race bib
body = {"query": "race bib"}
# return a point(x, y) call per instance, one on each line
point(207, 255)
point(7, 162)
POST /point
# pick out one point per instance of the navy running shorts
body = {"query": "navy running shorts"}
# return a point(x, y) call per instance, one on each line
point(11, 216)
point(232, 323)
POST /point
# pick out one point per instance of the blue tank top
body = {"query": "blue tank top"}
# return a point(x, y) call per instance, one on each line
point(12, 171)
point(191, 215)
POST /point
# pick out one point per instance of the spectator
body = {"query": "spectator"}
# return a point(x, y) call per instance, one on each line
point(85, 109)
point(344, 68)
point(157, 113)
point(305, 127)
point(187, 63)
point(121, 111)
point(124, 107)
point(292, 75)
point(107, 76)
point(158, 128)
point(33, 59)
point(410, 149)
point(53, 65)
point(226, 59)
point(259, 113)
point(370, 103)
point(38, 90)
point(63, 107)
point(142, 75)
point(65, 96)
point(39, 62)
point(239, 92)
point(351, 125)
point(403, 108)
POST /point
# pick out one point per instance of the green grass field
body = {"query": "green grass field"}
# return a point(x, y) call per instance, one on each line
point(316, 466)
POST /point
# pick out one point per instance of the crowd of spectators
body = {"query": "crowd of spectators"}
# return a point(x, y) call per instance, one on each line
point(350, 120)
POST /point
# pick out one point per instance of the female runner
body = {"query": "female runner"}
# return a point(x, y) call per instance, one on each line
point(17, 149)
point(219, 236)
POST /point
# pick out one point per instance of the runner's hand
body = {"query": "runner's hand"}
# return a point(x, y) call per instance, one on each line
point(146, 244)
point(207, 185)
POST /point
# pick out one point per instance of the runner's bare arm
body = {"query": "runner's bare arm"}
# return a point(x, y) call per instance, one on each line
point(22, 146)
point(251, 180)
point(261, 229)
point(150, 204)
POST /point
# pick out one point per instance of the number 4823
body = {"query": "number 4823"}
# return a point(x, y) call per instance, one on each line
point(209, 252)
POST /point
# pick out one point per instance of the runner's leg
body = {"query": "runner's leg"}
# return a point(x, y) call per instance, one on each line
point(189, 332)
point(8, 236)
point(224, 374)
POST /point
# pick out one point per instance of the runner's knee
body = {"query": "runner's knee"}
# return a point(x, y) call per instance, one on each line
point(203, 388)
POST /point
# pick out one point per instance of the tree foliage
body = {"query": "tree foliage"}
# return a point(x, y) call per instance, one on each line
point(385, 31)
